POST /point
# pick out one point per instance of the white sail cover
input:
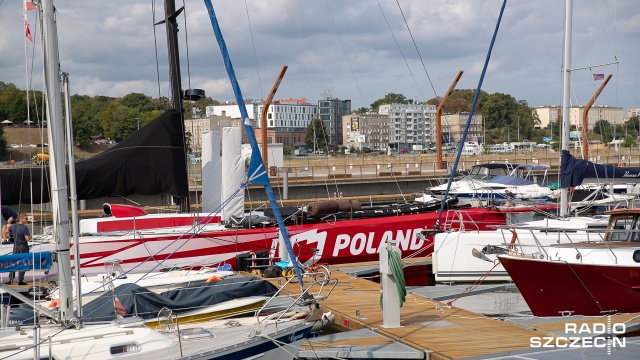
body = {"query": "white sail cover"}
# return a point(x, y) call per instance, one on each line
point(233, 172)
point(211, 172)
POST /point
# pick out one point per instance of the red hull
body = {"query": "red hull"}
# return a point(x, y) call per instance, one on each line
point(552, 288)
point(340, 242)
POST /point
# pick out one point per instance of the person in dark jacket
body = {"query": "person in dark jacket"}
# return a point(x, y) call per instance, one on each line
point(9, 216)
point(21, 238)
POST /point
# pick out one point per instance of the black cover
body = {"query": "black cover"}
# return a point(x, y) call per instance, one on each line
point(574, 171)
point(180, 300)
point(150, 161)
point(16, 185)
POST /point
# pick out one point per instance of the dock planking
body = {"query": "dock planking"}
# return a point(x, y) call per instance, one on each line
point(427, 325)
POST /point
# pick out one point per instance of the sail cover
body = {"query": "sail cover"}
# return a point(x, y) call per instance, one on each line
point(150, 161)
point(574, 171)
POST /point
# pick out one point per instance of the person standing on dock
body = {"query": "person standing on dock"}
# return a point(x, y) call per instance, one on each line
point(21, 238)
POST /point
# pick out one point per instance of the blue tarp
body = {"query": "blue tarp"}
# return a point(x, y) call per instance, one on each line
point(573, 171)
point(25, 261)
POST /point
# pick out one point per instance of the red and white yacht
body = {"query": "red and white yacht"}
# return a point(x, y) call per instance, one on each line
point(596, 277)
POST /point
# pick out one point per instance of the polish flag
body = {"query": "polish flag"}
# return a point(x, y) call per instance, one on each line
point(598, 77)
point(27, 32)
point(30, 5)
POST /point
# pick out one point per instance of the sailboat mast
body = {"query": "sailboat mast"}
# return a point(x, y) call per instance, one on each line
point(175, 80)
point(566, 82)
point(55, 131)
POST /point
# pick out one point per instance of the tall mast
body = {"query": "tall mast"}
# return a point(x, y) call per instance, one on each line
point(175, 81)
point(174, 73)
point(55, 131)
point(566, 82)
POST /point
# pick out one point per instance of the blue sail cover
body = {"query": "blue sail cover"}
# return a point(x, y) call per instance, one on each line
point(573, 171)
point(510, 180)
point(25, 261)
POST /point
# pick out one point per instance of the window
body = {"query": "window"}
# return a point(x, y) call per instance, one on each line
point(619, 228)
point(125, 349)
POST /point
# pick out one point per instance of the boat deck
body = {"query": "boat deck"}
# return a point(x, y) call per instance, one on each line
point(439, 331)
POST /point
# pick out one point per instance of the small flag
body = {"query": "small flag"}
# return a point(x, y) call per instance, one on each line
point(30, 5)
point(598, 77)
point(27, 32)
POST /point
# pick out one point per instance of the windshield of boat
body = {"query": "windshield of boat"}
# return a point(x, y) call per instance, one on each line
point(487, 173)
point(625, 228)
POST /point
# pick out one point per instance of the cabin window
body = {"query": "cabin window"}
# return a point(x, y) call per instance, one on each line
point(636, 256)
point(621, 226)
point(125, 349)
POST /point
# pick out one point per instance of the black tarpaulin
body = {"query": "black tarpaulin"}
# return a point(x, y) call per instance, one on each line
point(150, 161)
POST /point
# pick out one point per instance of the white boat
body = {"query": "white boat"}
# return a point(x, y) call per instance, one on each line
point(499, 183)
point(65, 336)
point(466, 256)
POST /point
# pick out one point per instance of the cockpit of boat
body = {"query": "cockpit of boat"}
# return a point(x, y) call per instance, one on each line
point(489, 171)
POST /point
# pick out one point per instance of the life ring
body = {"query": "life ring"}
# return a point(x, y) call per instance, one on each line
point(621, 164)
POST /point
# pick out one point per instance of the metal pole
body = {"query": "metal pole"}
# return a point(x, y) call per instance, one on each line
point(566, 76)
point(73, 195)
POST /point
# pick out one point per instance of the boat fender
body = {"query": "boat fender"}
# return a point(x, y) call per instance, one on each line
point(54, 303)
point(324, 207)
point(348, 205)
point(271, 271)
point(120, 311)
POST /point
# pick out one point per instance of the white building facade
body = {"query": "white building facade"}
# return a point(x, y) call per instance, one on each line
point(551, 113)
point(410, 124)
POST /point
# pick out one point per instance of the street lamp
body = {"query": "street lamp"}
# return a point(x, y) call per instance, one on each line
point(138, 119)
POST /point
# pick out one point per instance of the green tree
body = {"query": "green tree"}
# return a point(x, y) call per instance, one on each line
point(317, 137)
point(390, 98)
point(361, 111)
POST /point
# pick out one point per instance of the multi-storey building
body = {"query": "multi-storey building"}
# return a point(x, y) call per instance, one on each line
point(288, 119)
point(551, 113)
point(453, 126)
point(330, 111)
point(196, 126)
point(633, 112)
point(368, 130)
point(231, 109)
point(410, 124)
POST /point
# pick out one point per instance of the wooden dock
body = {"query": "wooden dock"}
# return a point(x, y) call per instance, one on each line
point(440, 331)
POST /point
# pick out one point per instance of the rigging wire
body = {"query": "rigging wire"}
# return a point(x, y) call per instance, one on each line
point(344, 50)
point(417, 50)
point(400, 49)
point(186, 41)
point(155, 43)
point(253, 46)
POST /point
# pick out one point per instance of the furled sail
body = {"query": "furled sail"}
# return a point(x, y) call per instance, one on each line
point(575, 171)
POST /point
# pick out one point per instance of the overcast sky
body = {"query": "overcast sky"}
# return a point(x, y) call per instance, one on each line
point(352, 49)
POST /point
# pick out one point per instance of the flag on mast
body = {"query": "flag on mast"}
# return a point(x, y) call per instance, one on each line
point(30, 5)
point(27, 32)
point(598, 77)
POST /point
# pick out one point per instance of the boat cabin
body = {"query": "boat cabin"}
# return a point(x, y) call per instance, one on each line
point(624, 225)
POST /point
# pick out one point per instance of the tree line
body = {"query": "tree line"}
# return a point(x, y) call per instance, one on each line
point(98, 116)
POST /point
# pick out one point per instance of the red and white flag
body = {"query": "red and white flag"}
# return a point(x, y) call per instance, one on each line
point(27, 32)
point(598, 77)
point(30, 5)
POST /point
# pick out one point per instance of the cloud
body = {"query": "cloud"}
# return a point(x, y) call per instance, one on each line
point(358, 49)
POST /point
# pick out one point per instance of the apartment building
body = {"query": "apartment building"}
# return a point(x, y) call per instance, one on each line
point(409, 124)
point(368, 130)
